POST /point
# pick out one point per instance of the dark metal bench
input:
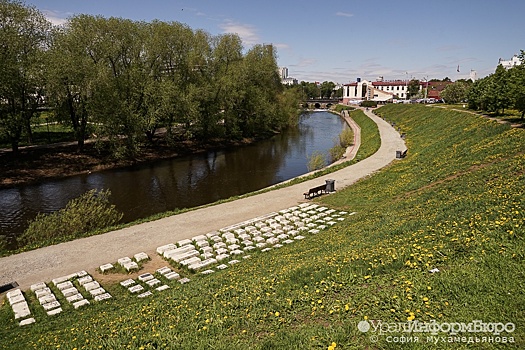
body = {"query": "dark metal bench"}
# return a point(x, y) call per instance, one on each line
point(315, 191)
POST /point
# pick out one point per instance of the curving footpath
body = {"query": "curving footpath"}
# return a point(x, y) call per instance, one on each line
point(89, 253)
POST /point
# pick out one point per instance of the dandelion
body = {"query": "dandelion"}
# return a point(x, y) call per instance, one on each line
point(332, 346)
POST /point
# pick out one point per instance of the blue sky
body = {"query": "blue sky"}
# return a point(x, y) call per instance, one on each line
point(341, 40)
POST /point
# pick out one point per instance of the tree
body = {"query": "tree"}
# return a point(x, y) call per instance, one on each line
point(517, 82)
point(24, 35)
point(456, 92)
point(327, 89)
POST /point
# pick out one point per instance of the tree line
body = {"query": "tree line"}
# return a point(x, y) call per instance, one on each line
point(501, 90)
point(123, 81)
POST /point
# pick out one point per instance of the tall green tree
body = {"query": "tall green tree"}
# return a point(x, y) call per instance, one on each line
point(456, 92)
point(518, 85)
point(24, 38)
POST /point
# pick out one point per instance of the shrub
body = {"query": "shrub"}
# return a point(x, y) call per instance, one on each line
point(346, 138)
point(316, 161)
point(89, 212)
point(368, 104)
point(336, 152)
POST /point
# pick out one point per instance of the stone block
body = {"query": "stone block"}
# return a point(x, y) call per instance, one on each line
point(222, 251)
point(184, 242)
point(260, 225)
point(13, 293)
point(266, 250)
point(330, 211)
point(207, 256)
point(321, 227)
point(232, 241)
point(124, 260)
point(233, 262)
point(69, 292)
point(91, 285)
point(288, 228)
point(85, 280)
point(104, 296)
point(212, 234)
point(146, 277)
point(207, 272)
point(38, 286)
point(64, 285)
point(15, 299)
point(141, 256)
point(21, 310)
point(82, 274)
point(172, 275)
point(27, 321)
point(298, 237)
point(222, 267)
point(250, 229)
point(185, 256)
point(265, 230)
point(278, 245)
point(293, 233)
point(268, 235)
point(202, 244)
point(245, 237)
point(237, 252)
point(239, 231)
point(248, 248)
point(162, 288)
point(233, 247)
point(340, 219)
point(282, 236)
point(48, 298)
point(98, 291)
point(288, 241)
point(127, 283)
point(221, 257)
point(145, 294)
point(260, 245)
point(131, 266)
point(331, 223)
point(258, 239)
point(106, 267)
point(153, 282)
point(80, 303)
point(190, 261)
point(207, 250)
point(313, 231)
point(184, 280)
point(135, 289)
point(246, 243)
point(51, 305)
point(311, 225)
point(75, 297)
point(216, 239)
point(59, 280)
point(199, 238)
point(54, 311)
point(162, 249)
point(178, 251)
point(272, 240)
point(304, 228)
point(164, 270)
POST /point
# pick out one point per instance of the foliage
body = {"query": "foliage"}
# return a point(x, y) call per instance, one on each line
point(24, 35)
point(87, 213)
point(455, 204)
point(340, 107)
point(316, 161)
point(455, 92)
point(368, 103)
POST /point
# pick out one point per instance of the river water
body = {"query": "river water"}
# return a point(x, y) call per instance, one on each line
point(190, 181)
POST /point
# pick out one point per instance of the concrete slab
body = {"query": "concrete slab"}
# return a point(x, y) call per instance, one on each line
point(222, 267)
point(51, 305)
point(162, 249)
point(145, 294)
point(21, 310)
point(15, 299)
point(146, 277)
point(48, 298)
point(106, 267)
point(74, 298)
point(184, 242)
point(91, 285)
point(124, 260)
point(153, 282)
point(131, 266)
point(164, 270)
point(84, 280)
point(54, 312)
point(80, 303)
point(27, 322)
point(104, 296)
point(136, 289)
point(98, 291)
point(69, 292)
point(162, 288)
point(64, 285)
point(38, 286)
point(184, 280)
point(172, 275)
point(127, 283)
point(141, 256)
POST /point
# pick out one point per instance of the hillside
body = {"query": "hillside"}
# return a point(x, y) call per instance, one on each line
point(454, 205)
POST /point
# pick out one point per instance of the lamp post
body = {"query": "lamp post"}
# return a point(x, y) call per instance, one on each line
point(406, 87)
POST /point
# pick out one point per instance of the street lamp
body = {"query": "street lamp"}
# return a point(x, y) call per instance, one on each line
point(406, 87)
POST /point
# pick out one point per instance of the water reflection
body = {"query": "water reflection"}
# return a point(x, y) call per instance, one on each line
point(186, 182)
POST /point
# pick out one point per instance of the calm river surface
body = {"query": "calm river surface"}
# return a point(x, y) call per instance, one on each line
point(185, 182)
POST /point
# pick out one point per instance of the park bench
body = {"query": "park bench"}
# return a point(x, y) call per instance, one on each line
point(401, 154)
point(315, 191)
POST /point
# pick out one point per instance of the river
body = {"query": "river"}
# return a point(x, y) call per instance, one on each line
point(190, 181)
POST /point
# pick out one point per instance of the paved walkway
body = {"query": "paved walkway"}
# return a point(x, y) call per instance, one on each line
point(89, 253)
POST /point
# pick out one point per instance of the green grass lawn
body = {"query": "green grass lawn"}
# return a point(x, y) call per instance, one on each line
point(455, 204)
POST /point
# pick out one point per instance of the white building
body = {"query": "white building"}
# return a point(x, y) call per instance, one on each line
point(380, 90)
point(285, 79)
point(514, 61)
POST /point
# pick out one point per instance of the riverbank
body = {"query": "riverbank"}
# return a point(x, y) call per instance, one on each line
point(49, 262)
point(34, 164)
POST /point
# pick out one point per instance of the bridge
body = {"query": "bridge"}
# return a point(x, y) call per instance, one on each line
point(323, 103)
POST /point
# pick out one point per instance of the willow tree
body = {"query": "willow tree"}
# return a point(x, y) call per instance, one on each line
point(24, 35)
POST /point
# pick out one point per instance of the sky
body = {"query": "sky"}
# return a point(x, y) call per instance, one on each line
point(343, 40)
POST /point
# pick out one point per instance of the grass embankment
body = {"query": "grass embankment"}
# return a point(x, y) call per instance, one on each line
point(455, 204)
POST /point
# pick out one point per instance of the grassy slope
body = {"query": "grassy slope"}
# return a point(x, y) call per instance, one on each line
point(454, 203)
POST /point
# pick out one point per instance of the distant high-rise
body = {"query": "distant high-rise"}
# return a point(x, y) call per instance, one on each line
point(514, 61)
point(284, 72)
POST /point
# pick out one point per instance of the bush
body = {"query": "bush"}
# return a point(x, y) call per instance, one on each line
point(336, 153)
point(346, 137)
point(89, 212)
point(316, 161)
point(368, 104)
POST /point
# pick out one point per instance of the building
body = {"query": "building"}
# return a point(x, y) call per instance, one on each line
point(514, 61)
point(379, 90)
point(285, 79)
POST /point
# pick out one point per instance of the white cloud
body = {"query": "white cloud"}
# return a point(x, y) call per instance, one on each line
point(246, 32)
point(344, 14)
point(55, 17)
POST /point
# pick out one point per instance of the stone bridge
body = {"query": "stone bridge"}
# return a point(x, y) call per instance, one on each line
point(320, 103)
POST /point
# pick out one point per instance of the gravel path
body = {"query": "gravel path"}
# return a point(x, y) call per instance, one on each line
point(88, 254)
